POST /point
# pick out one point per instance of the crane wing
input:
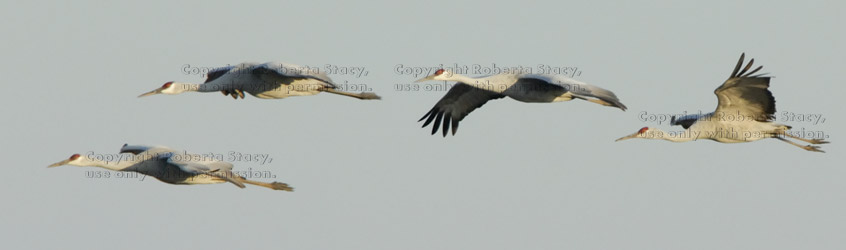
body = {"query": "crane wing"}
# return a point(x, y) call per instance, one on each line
point(686, 120)
point(144, 152)
point(275, 72)
point(746, 95)
point(455, 105)
point(197, 164)
point(138, 149)
point(577, 88)
point(133, 149)
point(189, 163)
point(217, 73)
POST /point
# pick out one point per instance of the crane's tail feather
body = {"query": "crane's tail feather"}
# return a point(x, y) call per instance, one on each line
point(362, 95)
point(603, 96)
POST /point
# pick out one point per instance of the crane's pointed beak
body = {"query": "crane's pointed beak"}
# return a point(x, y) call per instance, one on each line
point(58, 164)
point(627, 137)
point(431, 77)
point(156, 91)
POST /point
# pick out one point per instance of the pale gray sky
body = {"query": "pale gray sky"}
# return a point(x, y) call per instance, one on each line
point(516, 176)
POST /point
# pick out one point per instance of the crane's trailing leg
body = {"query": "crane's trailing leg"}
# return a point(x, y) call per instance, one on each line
point(227, 176)
point(812, 141)
point(273, 185)
point(807, 147)
point(362, 95)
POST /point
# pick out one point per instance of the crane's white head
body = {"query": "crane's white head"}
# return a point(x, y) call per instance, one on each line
point(169, 88)
point(439, 75)
point(645, 133)
point(75, 159)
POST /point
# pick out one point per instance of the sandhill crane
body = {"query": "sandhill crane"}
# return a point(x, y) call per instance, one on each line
point(171, 166)
point(471, 93)
point(744, 113)
point(272, 80)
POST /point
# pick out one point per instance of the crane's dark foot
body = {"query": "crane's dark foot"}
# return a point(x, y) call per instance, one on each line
point(813, 148)
point(369, 96)
point(238, 93)
point(281, 186)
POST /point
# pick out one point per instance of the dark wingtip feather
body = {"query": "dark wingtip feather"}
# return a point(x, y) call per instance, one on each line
point(437, 123)
point(446, 124)
point(739, 63)
point(753, 71)
point(431, 115)
point(426, 115)
point(748, 66)
point(454, 126)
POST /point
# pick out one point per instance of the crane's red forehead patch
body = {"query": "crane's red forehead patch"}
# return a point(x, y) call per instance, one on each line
point(74, 157)
point(167, 85)
point(643, 130)
point(439, 72)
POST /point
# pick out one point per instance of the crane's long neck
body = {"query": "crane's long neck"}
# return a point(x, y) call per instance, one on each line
point(192, 87)
point(182, 87)
point(464, 79)
point(110, 165)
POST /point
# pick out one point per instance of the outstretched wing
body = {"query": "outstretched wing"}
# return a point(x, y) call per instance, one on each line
point(139, 149)
point(189, 163)
point(275, 72)
point(217, 73)
point(686, 120)
point(144, 152)
point(455, 105)
point(746, 95)
point(197, 164)
point(225, 87)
